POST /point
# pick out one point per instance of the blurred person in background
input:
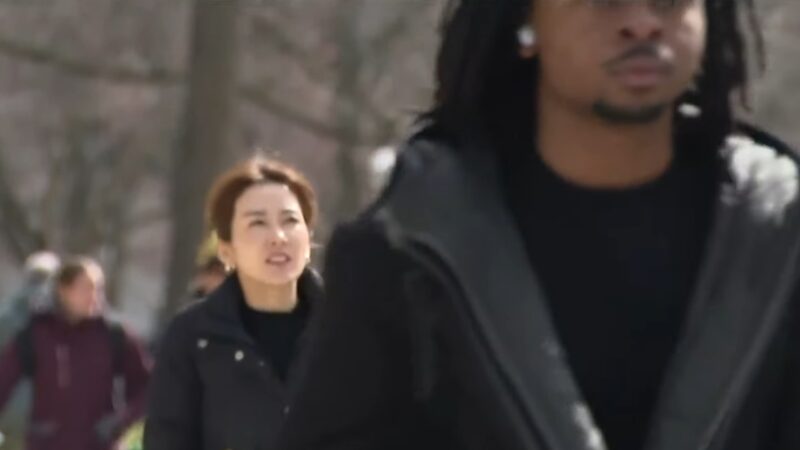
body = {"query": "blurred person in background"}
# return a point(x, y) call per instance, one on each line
point(209, 269)
point(89, 376)
point(227, 367)
point(35, 294)
point(580, 247)
point(209, 273)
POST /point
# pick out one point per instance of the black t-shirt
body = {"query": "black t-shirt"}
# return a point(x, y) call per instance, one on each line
point(276, 334)
point(618, 268)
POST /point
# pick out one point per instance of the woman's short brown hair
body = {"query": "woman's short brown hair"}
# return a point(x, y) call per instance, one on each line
point(76, 266)
point(255, 171)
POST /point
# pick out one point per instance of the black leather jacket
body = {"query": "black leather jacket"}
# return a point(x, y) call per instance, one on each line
point(438, 337)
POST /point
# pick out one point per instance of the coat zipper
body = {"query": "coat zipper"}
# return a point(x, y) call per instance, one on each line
point(62, 366)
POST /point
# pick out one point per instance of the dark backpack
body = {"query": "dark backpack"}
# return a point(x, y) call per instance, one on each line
point(26, 350)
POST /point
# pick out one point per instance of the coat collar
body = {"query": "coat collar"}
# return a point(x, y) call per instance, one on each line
point(56, 320)
point(743, 288)
point(223, 318)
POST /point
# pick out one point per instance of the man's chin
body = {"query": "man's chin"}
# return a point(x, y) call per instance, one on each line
point(629, 114)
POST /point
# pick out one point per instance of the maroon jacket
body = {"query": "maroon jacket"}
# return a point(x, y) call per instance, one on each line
point(73, 384)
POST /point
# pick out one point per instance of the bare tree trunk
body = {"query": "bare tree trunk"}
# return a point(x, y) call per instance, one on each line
point(78, 237)
point(206, 146)
point(346, 112)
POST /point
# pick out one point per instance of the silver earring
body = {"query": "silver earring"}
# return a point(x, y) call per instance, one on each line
point(526, 36)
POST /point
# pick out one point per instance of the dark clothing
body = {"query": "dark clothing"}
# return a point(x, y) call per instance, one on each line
point(636, 253)
point(15, 313)
point(74, 384)
point(276, 334)
point(437, 333)
point(213, 386)
point(17, 309)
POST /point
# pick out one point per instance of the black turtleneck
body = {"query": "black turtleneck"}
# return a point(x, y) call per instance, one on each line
point(618, 268)
point(276, 334)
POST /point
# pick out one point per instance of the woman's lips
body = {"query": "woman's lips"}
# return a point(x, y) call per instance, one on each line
point(278, 259)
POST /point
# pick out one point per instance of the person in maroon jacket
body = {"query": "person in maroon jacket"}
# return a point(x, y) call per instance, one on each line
point(89, 376)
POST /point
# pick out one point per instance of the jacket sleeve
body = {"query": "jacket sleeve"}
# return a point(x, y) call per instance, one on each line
point(10, 372)
point(136, 366)
point(174, 404)
point(356, 393)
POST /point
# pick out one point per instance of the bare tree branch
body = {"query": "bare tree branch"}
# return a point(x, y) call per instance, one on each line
point(262, 99)
point(77, 67)
point(269, 32)
point(281, 109)
point(158, 76)
point(379, 54)
point(399, 26)
point(47, 212)
point(167, 77)
point(113, 216)
point(17, 231)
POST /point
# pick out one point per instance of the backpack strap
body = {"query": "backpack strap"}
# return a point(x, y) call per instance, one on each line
point(116, 335)
point(25, 350)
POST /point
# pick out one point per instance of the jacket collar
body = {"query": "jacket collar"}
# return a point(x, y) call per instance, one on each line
point(223, 318)
point(56, 320)
point(743, 288)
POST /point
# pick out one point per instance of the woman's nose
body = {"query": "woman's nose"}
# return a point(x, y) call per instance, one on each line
point(277, 236)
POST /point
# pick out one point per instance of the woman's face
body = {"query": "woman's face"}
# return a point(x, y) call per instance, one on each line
point(83, 298)
point(270, 240)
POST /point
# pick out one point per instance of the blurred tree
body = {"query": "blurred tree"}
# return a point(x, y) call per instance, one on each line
point(207, 145)
point(98, 145)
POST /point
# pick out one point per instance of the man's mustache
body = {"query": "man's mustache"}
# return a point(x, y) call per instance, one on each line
point(644, 50)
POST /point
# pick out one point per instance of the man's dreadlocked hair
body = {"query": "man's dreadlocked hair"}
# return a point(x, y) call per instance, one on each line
point(480, 76)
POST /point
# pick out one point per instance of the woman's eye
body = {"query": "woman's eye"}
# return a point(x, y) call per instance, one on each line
point(256, 223)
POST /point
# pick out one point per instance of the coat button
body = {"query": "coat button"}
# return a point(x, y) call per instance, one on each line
point(202, 343)
point(286, 410)
point(239, 355)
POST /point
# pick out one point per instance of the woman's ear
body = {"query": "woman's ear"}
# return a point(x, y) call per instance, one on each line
point(226, 255)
